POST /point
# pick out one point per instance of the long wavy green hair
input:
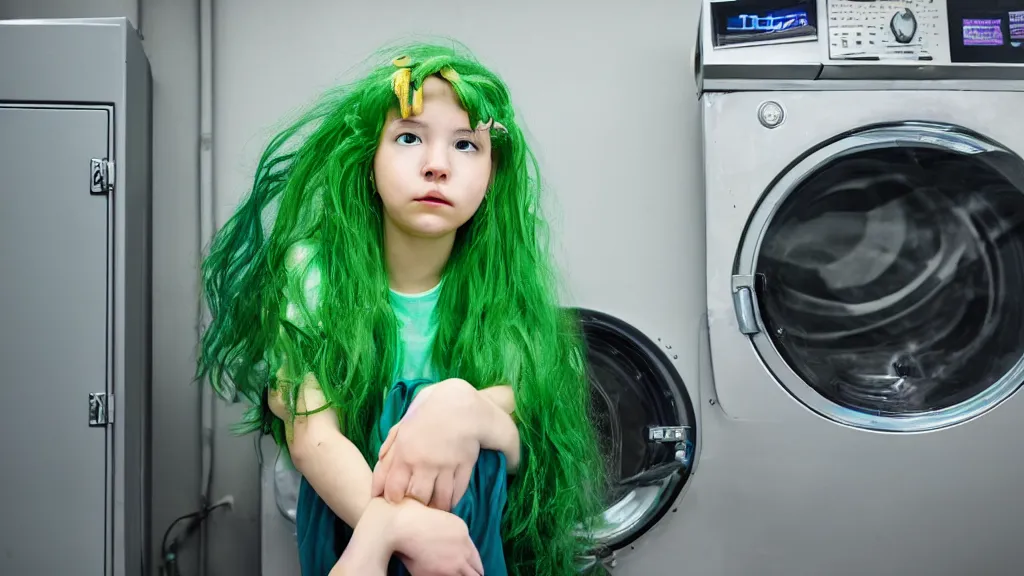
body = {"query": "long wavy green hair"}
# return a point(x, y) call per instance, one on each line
point(498, 313)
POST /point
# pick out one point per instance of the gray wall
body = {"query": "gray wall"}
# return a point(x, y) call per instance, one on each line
point(610, 104)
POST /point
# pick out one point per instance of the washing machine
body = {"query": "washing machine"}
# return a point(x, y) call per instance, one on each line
point(864, 189)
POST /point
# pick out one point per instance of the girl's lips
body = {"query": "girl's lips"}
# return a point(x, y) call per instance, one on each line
point(435, 198)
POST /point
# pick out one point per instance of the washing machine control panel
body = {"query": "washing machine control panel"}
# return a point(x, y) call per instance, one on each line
point(944, 31)
point(793, 39)
point(860, 29)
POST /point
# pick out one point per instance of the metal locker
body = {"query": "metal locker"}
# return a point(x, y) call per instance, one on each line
point(74, 298)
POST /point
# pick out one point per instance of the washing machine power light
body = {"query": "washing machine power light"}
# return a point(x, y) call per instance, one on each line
point(771, 114)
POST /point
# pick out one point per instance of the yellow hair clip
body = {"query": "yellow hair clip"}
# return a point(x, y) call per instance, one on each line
point(400, 85)
point(408, 104)
point(449, 74)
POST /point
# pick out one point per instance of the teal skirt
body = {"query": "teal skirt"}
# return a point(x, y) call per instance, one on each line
point(322, 536)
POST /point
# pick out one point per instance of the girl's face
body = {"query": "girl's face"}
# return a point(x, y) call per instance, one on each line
point(432, 170)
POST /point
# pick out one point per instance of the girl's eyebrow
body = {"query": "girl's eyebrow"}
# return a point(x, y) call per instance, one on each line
point(466, 132)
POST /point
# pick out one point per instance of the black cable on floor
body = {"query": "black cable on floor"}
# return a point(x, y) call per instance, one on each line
point(169, 549)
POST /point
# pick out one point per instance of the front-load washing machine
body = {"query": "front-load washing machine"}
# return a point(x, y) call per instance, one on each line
point(865, 266)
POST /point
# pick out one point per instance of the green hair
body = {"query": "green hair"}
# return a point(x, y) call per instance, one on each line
point(499, 320)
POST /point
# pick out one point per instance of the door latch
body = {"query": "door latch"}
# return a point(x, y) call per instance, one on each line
point(101, 176)
point(678, 435)
point(100, 413)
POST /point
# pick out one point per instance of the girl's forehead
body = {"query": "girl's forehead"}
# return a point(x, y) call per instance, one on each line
point(438, 89)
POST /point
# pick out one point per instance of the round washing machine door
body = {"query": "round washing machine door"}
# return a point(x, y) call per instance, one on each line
point(646, 425)
point(881, 277)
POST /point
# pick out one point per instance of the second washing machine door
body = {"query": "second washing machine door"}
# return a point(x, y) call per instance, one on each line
point(880, 278)
point(646, 425)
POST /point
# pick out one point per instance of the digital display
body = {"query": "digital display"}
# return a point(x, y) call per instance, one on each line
point(983, 32)
point(987, 31)
point(1017, 25)
point(771, 21)
point(752, 22)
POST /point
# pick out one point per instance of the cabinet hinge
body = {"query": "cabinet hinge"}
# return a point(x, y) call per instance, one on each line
point(101, 176)
point(101, 409)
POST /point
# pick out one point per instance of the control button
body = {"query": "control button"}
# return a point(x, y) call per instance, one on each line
point(771, 114)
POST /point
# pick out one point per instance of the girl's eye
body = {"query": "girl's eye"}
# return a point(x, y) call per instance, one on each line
point(407, 139)
point(465, 146)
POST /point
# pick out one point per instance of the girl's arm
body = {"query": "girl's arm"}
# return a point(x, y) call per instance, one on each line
point(502, 397)
point(498, 430)
point(490, 413)
point(429, 541)
point(331, 464)
point(373, 542)
point(443, 421)
point(337, 471)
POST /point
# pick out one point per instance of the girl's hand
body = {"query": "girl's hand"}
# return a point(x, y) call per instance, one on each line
point(430, 454)
point(434, 543)
point(347, 566)
point(372, 544)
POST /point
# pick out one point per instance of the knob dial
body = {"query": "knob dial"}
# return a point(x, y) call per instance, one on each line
point(904, 26)
point(771, 114)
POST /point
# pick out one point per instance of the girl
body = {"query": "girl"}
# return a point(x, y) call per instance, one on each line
point(392, 244)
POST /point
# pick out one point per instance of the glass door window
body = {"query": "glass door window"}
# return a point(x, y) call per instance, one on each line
point(887, 271)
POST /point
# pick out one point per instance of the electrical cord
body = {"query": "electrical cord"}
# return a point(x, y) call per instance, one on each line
point(169, 548)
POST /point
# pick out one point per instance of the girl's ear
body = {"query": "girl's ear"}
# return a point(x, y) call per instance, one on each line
point(373, 184)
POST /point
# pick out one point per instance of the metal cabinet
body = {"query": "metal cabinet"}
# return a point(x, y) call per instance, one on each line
point(74, 298)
